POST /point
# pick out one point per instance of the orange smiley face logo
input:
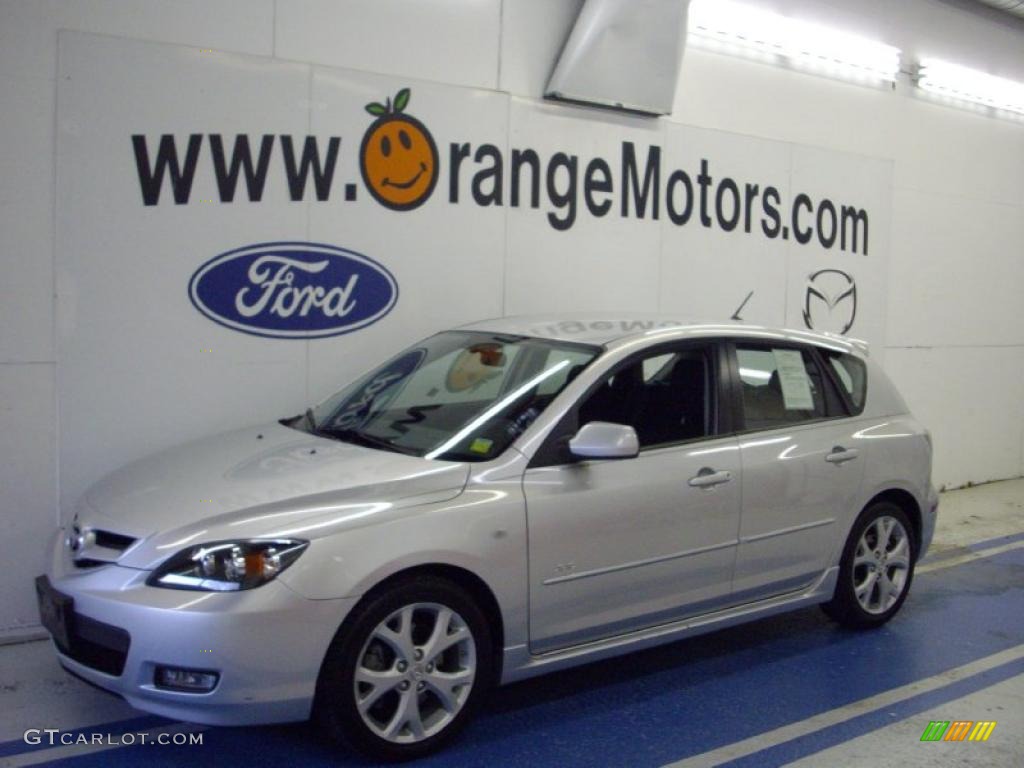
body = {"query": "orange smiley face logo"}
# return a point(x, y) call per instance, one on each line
point(398, 157)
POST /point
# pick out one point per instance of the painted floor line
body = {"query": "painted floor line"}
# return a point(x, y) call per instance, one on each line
point(967, 557)
point(1017, 535)
point(941, 552)
point(853, 709)
point(789, 752)
point(76, 750)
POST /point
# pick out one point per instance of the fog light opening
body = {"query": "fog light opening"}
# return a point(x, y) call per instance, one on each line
point(187, 680)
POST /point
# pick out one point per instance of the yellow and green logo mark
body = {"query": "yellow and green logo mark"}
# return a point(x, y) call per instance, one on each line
point(958, 730)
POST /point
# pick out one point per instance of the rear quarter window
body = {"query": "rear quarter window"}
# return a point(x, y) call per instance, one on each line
point(852, 375)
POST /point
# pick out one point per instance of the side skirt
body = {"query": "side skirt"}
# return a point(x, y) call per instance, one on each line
point(520, 664)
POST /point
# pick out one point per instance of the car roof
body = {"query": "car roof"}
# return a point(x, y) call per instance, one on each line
point(611, 329)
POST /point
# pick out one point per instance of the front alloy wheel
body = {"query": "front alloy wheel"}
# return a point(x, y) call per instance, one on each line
point(415, 672)
point(407, 670)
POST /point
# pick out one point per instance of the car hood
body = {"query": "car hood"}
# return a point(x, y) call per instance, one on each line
point(266, 481)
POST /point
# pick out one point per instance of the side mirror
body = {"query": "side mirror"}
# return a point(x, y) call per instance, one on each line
point(604, 440)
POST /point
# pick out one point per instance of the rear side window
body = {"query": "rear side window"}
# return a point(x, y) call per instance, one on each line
point(781, 386)
point(852, 375)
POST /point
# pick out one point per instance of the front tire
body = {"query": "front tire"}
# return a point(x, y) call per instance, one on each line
point(876, 569)
point(406, 674)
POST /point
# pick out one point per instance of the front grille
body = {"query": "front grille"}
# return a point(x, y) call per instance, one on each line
point(111, 540)
point(88, 562)
point(92, 547)
point(100, 646)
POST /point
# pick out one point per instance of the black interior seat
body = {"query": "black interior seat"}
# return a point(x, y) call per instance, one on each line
point(617, 400)
point(675, 409)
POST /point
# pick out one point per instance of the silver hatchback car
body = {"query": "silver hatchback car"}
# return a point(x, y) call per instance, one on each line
point(506, 499)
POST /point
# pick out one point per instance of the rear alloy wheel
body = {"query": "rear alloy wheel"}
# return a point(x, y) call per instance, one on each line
point(876, 569)
point(406, 676)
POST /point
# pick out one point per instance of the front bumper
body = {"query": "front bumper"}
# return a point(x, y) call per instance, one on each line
point(267, 643)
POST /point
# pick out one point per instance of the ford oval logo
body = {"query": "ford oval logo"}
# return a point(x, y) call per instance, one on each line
point(293, 290)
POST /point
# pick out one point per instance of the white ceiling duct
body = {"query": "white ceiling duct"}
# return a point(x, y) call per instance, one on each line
point(1016, 7)
point(623, 54)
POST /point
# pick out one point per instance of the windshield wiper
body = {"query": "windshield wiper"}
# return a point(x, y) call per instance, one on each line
point(364, 439)
point(294, 421)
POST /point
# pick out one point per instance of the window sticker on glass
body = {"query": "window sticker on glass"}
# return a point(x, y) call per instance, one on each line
point(796, 387)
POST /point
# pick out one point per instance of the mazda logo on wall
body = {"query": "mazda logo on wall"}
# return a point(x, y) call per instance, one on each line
point(830, 303)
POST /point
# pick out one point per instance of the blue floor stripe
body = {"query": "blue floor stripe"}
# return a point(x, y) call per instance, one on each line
point(998, 541)
point(789, 751)
point(653, 707)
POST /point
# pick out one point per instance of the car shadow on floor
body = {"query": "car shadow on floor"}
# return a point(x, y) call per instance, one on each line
point(679, 669)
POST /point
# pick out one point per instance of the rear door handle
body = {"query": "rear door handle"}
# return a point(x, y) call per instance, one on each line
point(707, 478)
point(840, 454)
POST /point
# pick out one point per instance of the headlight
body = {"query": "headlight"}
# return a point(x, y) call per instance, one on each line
point(225, 566)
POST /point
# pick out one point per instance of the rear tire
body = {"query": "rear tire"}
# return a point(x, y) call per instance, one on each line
point(876, 569)
point(406, 673)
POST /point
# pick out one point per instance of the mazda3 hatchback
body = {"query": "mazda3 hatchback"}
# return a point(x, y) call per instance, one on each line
point(498, 501)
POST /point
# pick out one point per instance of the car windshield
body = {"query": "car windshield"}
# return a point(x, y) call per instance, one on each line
point(459, 396)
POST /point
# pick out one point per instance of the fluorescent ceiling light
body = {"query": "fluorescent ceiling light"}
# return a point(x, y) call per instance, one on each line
point(744, 30)
point(959, 84)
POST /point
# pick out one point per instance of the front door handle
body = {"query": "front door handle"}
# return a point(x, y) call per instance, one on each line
point(708, 478)
point(840, 454)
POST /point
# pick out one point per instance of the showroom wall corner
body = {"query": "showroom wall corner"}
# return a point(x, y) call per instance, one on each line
point(953, 320)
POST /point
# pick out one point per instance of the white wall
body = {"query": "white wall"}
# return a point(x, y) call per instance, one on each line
point(955, 341)
point(955, 330)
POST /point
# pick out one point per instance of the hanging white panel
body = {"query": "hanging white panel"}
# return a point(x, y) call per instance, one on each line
point(623, 54)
